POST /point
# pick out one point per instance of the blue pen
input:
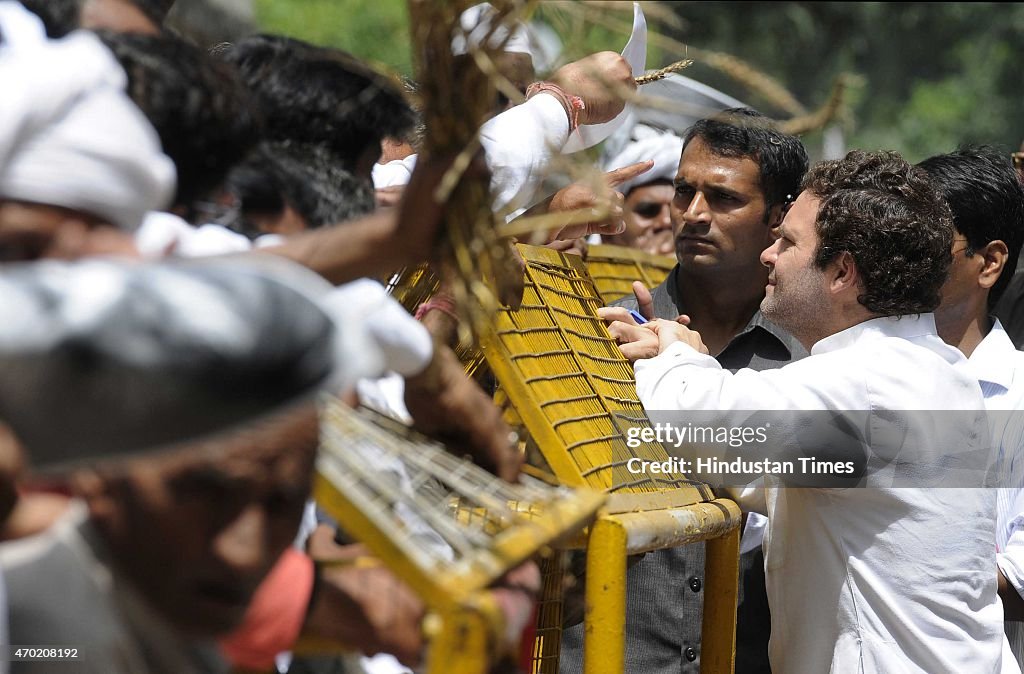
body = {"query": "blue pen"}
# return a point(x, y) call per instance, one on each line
point(637, 317)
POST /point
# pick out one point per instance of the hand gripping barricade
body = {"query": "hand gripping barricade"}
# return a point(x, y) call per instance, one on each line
point(567, 383)
point(575, 393)
point(442, 525)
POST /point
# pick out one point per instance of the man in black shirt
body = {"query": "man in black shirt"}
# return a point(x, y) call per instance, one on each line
point(735, 178)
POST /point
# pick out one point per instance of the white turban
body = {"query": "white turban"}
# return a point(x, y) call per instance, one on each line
point(663, 148)
point(477, 24)
point(83, 146)
point(20, 27)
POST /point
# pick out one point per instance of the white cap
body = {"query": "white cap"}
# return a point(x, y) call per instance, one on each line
point(664, 148)
point(92, 150)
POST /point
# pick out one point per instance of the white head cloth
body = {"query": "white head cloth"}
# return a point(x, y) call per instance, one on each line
point(83, 146)
point(19, 27)
point(477, 23)
point(395, 172)
point(663, 148)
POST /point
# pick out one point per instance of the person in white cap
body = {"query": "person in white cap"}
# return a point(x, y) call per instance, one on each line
point(77, 165)
point(648, 197)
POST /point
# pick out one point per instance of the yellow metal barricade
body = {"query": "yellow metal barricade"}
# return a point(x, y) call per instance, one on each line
point(566, 382)
point(576, 395)
point(444, 526)
point(614, 268)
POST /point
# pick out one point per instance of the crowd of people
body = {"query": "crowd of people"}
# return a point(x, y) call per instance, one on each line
point(191, 243)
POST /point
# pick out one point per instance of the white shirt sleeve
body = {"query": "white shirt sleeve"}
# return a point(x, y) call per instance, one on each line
point(391, 339)
point(520, 144)
point(163, 234)
point(681, 378)
point(753, 531)
point(1010, 558)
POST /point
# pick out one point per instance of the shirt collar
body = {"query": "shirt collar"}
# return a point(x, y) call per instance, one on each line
point(664, 305)
point(906, 327)
point(991, 360)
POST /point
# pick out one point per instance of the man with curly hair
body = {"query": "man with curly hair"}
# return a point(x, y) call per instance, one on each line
point(895, 576)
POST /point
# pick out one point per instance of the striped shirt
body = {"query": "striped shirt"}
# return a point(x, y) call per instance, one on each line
point(999, 368)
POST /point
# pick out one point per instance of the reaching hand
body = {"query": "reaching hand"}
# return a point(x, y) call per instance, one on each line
point(365, 607)
point(579, 196)
point(635, 342)
point(645, 301)
point(639, 340)
point(601, 80)
point(670, 332)
point(449, 406)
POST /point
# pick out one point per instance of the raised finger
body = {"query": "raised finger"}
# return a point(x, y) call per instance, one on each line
point(621, 175)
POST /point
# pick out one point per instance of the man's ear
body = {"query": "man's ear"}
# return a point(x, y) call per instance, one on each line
point(843, 273)
point(994, 257)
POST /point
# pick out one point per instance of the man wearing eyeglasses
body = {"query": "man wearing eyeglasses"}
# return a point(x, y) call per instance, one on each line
point(731, 188)
point(1010, 309)
point(987, 201)
point(647, 198)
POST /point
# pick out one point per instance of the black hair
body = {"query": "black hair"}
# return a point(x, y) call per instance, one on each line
point(197, 106)
point(985, 194)
point(742, 132)
point(318, 96)
point(309, 178)
point(155, 10)
point(894, 224)
point(60, 17)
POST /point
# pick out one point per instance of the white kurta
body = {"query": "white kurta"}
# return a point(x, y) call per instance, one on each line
point(875, 579)
point(999, 368)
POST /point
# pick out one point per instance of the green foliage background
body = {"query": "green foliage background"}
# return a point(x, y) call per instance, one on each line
point(934, 75)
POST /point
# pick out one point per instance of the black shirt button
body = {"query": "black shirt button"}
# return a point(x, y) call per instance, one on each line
point(690, 654)
point(695, 584)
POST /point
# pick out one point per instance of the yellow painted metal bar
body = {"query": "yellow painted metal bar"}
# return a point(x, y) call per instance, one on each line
point(518, 544)
point(565, 468)
point(614, 537)
point(614, 268)
point(604, 623)
point(721, 592)
point(670, 528)
point(461, 638)
point(432, 589)
point(660, 529)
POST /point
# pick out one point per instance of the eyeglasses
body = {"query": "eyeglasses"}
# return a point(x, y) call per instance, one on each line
point(962, 245)
point(787, 204)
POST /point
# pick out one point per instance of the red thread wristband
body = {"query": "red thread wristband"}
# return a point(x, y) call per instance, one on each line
point(443, 303)
point(572, 104)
